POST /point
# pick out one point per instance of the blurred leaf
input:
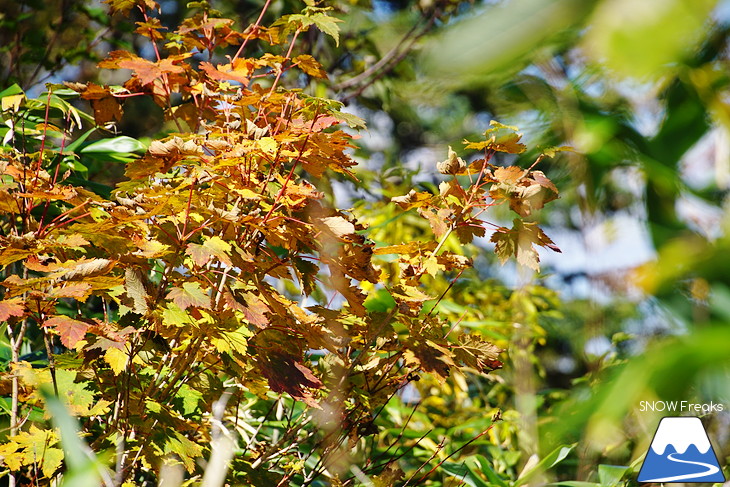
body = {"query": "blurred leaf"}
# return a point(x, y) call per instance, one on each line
point(464, 474)
point(643, 39)
point(122, 144)
point(499, 38)
point(610, 475)
point(552, 459)
point(80, 462)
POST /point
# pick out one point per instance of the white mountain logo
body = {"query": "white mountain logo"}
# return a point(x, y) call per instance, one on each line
point(681, 452)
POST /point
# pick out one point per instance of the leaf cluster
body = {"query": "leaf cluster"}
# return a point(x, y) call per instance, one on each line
point(217, 268)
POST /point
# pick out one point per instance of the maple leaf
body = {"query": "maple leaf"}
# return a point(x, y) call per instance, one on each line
point(477, 353)
point(124, 6)
point(191, 294)
point(11, 307)
point(145, 71)
point(79, 291)
point(33, 447)
point(431, 357)
point(174, 148)
point(451, 261)
point(499, 138)
point(286, 374)
point(355, 260)
point(174, 316)
point(106, 106)
point(213, 247)
point(509, 175)
point(312, 16)
point(413, 199)
point(190, 398)
point(409, 298)
point(518, 242)
point(436, 219)
point(310, 66)
point(353, 294)
point(525, 191)
point(469, 230)
point(117, 359)
point(411, 248)
point(253, 307)
point(184, 448)
point(239, 71)
point(69, 330)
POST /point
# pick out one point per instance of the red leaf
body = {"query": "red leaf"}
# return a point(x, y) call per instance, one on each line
point(11, 307)
point(286, 374)
point(71, 331)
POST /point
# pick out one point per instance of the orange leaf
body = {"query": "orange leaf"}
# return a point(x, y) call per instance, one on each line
point(11, 307)
point(70, 331)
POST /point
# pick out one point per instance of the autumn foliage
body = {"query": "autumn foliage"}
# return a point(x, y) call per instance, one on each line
point(218, 273)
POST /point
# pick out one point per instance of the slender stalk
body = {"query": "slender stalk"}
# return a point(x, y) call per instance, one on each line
point(254, 28)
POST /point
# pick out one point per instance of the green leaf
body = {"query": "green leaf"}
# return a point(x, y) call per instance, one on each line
point(464, 474)
point(190, 397)
point(328, 25)
point(115, 145)
point(650, 41)
point(153, 405)
point(173, 315)
point(11, 90)
point(185, 449)
point(11, 97)
point(71, 148)
point(552, 459)
point(380, 301)
point(486, 469)
point(611, 475)
point(77, 454)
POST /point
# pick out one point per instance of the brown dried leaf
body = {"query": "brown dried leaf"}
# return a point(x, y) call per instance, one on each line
point(413, 199)
point(88, 267)
point(452, 165)
point(477, 353)
point(134, 285)
point(336, 225)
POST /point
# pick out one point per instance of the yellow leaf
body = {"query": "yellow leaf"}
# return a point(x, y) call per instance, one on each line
point(13, 101)
point(268, 145)
point(117, 359)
